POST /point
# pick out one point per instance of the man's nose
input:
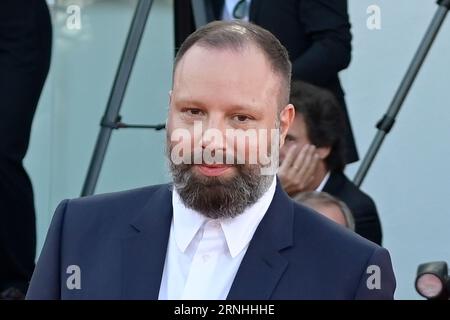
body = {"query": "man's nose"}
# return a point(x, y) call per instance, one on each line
point(213, 135)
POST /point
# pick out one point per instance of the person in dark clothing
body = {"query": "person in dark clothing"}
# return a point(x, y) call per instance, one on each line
point(25, 49)
point(312, 157)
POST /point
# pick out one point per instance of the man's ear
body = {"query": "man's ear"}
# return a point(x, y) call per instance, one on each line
point(287, 116)
point(323, 152)
point(170, 97)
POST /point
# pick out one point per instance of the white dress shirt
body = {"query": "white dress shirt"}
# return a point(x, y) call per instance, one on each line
point(228, 7)
point(203, 255)
point(323, 183)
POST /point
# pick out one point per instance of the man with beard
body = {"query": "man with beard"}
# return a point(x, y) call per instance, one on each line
point(224, 229)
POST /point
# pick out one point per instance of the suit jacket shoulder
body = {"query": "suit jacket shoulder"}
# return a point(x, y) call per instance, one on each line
point(112, 211)
point(336, 257)
point(297, 253)
point(105, 239)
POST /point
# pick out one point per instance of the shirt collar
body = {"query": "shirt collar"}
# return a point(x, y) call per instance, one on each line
point(186, 221)
point(238, 231)
point(324, 182)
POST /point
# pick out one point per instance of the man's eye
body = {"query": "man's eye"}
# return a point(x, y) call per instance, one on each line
point(290, 138)
point(241, 118)
point(194, 112)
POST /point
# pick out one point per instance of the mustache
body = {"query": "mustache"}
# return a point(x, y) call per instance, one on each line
point(187, 175)
point(209, 157)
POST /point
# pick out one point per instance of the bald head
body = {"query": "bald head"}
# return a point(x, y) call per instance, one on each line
point(239, 36)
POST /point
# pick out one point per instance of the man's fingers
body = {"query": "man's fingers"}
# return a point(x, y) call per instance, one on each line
point(311, 169)
point(289, 159)
point(304, 160)
point(300, 159)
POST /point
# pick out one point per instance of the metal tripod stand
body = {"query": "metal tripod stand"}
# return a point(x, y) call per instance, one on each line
point(386, 123)
point(111, 119)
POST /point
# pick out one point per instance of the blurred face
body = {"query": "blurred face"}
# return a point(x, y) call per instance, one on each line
point(332, 212)
point(224, 111)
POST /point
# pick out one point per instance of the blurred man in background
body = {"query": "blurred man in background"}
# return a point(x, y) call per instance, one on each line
point(312, 157)
point(25, 48)
point(329, 206)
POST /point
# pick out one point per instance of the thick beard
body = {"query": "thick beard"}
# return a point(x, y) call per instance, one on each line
point(218, 197)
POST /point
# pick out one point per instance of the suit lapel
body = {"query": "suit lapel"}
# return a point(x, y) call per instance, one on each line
point(263, 265)
point(144, 250)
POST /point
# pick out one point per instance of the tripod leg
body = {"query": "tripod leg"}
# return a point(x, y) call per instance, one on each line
point(117, 93)
point(388, 120)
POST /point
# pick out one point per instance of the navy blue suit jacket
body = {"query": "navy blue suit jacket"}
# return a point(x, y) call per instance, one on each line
point(119, 243)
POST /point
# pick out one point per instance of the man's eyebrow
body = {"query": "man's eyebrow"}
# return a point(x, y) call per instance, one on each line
point(246, 108)
point(234, 107)
point(189, 102)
